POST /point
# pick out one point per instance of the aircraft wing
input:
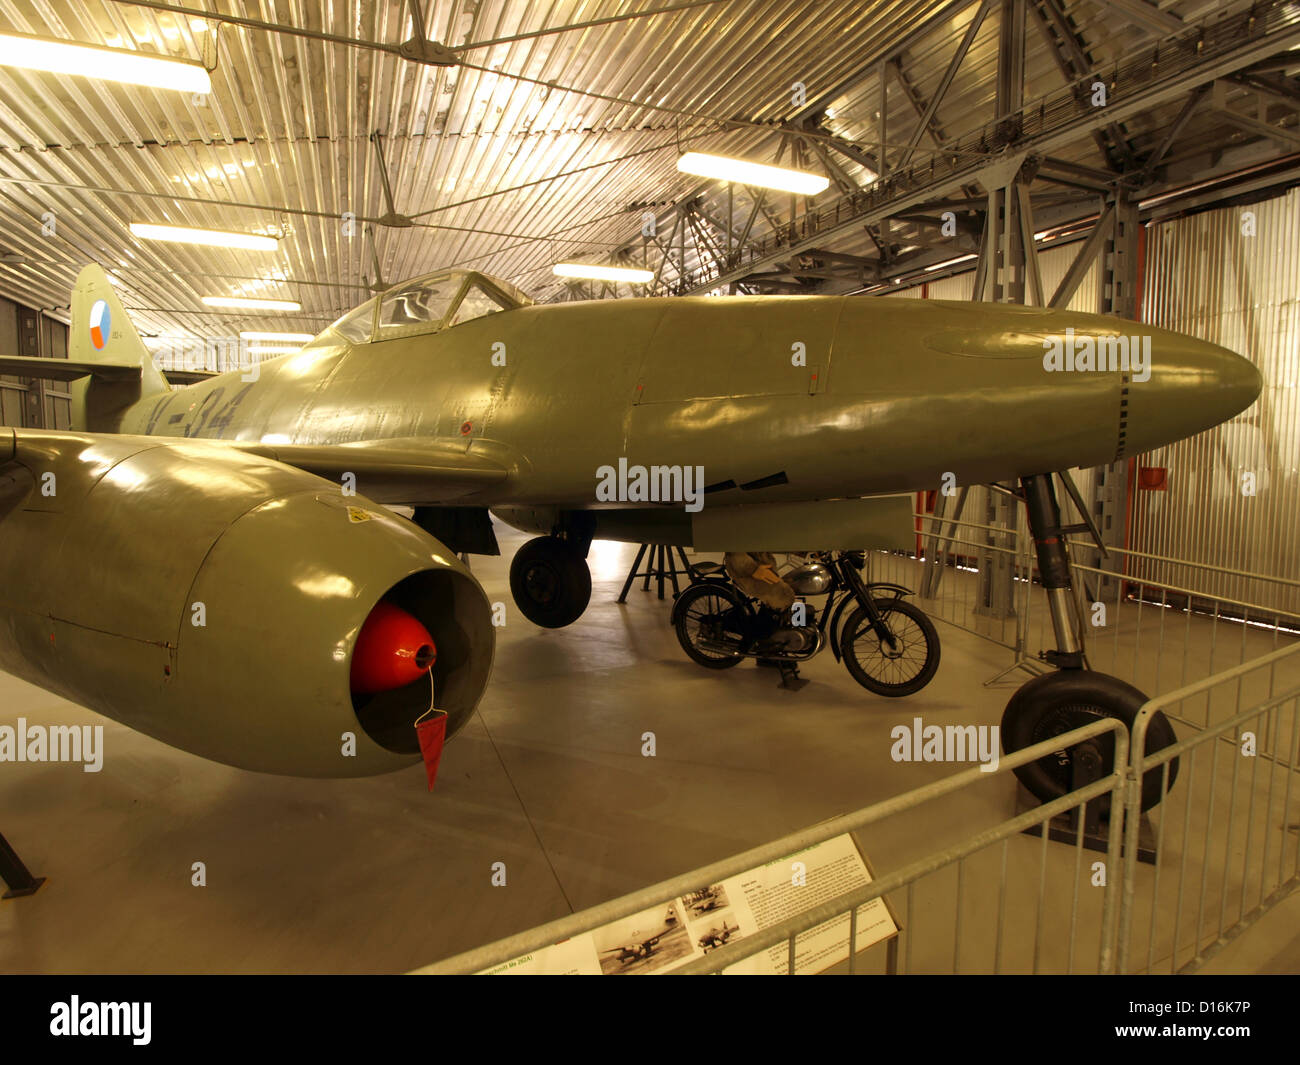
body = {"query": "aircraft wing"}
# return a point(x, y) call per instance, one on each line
point(412, 471)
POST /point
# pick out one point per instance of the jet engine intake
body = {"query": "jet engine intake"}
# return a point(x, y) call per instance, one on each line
point(232, 606)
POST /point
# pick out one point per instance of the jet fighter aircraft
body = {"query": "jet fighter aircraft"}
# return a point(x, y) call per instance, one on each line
point(701, 902)
point(638, 949)
point(214, 565)
point(717, 937)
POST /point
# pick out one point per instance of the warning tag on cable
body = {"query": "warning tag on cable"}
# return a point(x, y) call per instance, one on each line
point(432, 733)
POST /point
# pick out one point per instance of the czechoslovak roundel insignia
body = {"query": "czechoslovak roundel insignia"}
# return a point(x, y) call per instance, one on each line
point(99, 323)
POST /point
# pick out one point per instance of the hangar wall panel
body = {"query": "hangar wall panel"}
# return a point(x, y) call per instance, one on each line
point(1206, 277)
point(18, 336)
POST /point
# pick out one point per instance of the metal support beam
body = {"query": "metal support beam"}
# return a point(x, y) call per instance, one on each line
point(1011, 59)
point(882, 116)
point(980, 285)
point(1117, 282)
point(1004, 260)
point(844, 257)
point(703, 239)
point(1172, 133)
point(945, 83)
point(1075, 64)
point(1231, 43)
point(851, 151)
point(1281, 91)
point(926, 120)
point(892, 41)
point(1083, 260)
point(1146, 15)
point(1035, 275)
point(1282, 61)
point(749, 222)
point(1117, 277)
point(1288, 137)
point(841, 177)
point(666, 248)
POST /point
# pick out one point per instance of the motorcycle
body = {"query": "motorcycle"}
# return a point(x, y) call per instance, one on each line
point(888, 645)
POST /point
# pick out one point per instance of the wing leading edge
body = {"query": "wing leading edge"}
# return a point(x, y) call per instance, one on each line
point(385, 471)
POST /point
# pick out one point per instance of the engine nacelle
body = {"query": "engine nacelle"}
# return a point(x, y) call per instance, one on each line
point(214, 600)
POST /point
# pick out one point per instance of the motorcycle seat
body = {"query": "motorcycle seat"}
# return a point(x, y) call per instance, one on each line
point(702, 571)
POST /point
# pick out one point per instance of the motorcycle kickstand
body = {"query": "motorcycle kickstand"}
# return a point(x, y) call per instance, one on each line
point(790, 679)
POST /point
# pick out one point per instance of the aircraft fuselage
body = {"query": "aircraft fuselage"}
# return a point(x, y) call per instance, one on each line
point(843, 396)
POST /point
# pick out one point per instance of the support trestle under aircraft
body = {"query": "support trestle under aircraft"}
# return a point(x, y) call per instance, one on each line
point(192, 561)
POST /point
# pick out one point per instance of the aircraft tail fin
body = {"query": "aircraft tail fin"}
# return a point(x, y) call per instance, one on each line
point(102, 333)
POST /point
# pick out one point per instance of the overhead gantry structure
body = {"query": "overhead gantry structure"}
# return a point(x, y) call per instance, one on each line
point(895, 191)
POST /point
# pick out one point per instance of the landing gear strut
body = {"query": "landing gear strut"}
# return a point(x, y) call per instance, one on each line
point(1074, 696)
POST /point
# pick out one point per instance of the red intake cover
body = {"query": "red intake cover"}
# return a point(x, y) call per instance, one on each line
point(392, 650)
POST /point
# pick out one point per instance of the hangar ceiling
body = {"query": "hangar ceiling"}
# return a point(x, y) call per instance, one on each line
point(550, 130)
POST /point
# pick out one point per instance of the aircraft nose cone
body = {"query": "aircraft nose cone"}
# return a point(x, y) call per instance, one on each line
point(1192, 386)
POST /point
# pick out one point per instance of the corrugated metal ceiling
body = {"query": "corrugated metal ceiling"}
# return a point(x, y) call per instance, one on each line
point(503, 174)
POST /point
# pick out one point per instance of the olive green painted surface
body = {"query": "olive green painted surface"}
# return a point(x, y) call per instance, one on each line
point(587, 383)
point(885, 523)
point(819, 398)
point(99, 582)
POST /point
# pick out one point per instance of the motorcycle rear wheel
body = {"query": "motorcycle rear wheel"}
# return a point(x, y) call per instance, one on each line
point(712, 612)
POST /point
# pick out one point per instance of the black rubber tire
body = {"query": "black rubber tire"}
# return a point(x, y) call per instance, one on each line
point(1068, 699)
point(550, 582)
point(681, 620)
point(920, 631)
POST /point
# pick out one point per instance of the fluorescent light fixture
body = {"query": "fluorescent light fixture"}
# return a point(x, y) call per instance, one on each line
point(243, 303)
point(757, 174)
point(252, 334)
point(592, 272)
point(215, 238)
point(949, 262)
point(109, 64)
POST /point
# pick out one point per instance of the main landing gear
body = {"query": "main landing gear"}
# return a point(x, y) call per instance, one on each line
point(1073, 696)
point(549, 578)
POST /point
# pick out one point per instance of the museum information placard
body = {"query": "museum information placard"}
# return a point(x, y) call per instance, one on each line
point(679, 930)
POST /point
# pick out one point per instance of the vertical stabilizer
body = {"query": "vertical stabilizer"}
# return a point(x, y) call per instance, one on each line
point(102, 332)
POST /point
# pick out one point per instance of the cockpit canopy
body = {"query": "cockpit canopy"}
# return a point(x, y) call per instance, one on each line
point(428, 304)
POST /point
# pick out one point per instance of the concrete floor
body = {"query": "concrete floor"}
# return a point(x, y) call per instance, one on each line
point(377, 875)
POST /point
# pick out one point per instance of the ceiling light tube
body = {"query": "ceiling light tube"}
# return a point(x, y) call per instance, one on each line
point(30, 52)
point(214, 238)
point(592, 272)
point(252, 334)
point(758, 175)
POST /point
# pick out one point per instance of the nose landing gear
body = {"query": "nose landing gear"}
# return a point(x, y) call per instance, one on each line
point(1055, 703)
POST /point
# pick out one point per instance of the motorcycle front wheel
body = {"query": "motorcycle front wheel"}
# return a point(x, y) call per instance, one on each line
point(902, 670)
point(711, 614)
